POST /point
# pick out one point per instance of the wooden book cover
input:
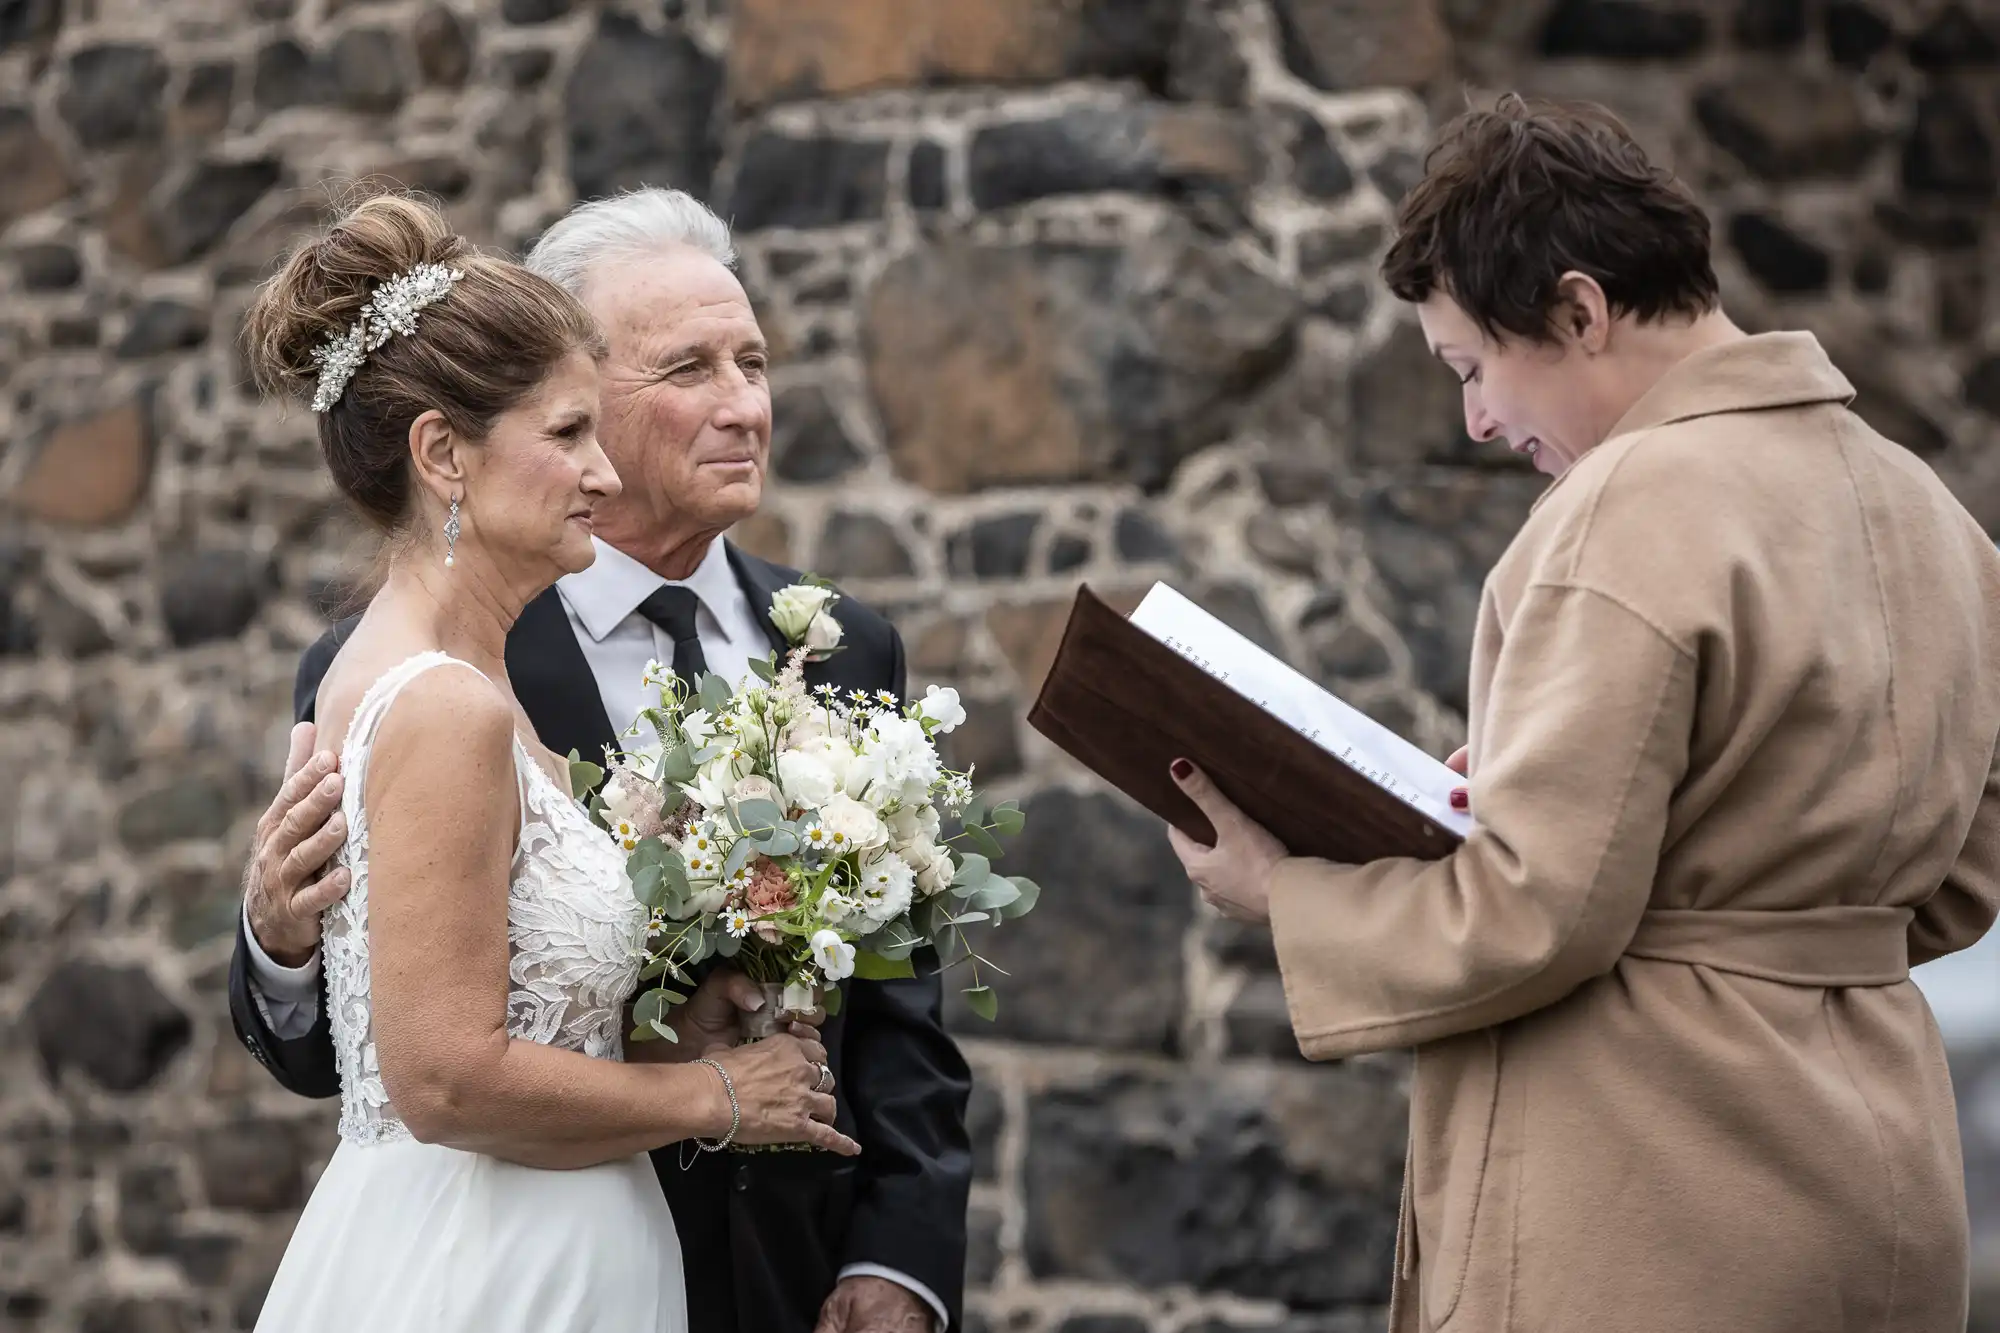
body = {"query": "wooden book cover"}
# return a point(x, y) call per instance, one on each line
point(1126, 705)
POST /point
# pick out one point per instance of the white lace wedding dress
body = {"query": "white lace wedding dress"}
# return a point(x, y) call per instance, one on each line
point(409, 1237)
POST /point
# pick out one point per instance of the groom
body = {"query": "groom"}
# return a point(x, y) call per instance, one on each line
point(771, 1243)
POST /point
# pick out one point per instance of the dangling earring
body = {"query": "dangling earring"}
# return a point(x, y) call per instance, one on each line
point(451, 534)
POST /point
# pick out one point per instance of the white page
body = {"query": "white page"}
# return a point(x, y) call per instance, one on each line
point(1362, 743)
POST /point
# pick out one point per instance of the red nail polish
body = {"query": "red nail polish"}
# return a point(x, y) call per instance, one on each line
point(1183, 769)
point(1460, 800)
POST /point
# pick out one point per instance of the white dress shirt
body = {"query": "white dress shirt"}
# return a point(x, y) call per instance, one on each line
point(603, 607)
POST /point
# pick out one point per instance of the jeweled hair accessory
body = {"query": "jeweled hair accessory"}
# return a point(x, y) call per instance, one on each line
point(390, 310)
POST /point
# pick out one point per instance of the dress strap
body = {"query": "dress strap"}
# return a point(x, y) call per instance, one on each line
point(368, 715)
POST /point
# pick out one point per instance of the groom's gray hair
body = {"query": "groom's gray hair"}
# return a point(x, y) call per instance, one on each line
point(639, 222)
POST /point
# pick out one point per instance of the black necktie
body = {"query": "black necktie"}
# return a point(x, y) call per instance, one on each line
point(672, 609)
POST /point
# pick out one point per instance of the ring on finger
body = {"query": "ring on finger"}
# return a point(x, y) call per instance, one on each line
point(824, 1079)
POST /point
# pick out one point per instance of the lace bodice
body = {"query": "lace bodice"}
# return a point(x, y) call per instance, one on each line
point(574, 929)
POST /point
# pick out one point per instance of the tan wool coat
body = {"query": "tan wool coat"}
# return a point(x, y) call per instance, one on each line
point(1735, 697)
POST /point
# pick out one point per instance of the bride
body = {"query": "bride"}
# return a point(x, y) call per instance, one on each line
point(492, 1170)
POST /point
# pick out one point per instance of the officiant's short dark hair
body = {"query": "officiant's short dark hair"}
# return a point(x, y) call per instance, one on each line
point(1515, 196)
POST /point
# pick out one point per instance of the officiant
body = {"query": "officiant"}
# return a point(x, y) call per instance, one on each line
point(772, 1243)
point(1735, 697)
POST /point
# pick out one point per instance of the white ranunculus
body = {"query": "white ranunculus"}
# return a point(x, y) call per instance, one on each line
point(933, 866)
point(823, 634)
point(942, 707)
point(852, 826)
point(905, 825)
point(834, 955)
point(624, 797)
point(808, 781)
point(793, 609)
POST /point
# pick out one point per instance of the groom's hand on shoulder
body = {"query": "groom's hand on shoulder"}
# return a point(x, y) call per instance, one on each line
point(874, 1305)
point(284, 891)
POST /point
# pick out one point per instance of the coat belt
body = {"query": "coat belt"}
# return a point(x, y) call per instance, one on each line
point(1811, 946)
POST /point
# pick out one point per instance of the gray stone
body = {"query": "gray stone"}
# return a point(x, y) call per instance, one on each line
point(367, 65)
point(1104, 1323)
point(1141, 540)
point(1953, 39)
point(985, 1116)
point(31, 166)
point(1258, 1022)
point(152, 1314)
point(1396, 172)
point(1280, 1184)
point(808, 443)
point(17, 629)
point(114, 95)
point(254, 1165)
point(1238, 606)
point(24, 21)
point(1335, 1321)
point(1318, 169)
point(1243, 944)
point(1205, 64)
point(1948, 152)
point(23, 1305)
point(1886, 405)
point(515, 135)
point(163, 326)
point(1622, 30)
point(190, 807)
point(1068, 552)
point(1788, 123)
point(641, 110)
point(1068, 362)
point(205, 1256)
point(197, 208)
point(534, 11)
point(1346, 304)
point(1329, 247)
point(149, 1204)
point(1855, 33)
point(982, 1247)
point(862, 546)
point(993, 548)
point(1781, 259)
point(1145, 149)
point(1408, 409)
point(108, 1022)
point(209, 595)
point(820, 181)
point(1106, 872)
point(284, 75)
point(48, 267)
point(207, 100)
point(444, 48)
point(927, 176)
point(526, 68)
point(1351, 653)
point(1982, 385)
point(1769, 25)
point(988, 741)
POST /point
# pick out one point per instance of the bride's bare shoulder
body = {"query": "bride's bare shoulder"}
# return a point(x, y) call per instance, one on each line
point(449, 708)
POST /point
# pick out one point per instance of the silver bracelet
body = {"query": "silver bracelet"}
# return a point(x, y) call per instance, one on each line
point(735, 1110)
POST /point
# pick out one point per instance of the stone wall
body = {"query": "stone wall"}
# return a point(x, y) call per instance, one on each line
point(1063, 290)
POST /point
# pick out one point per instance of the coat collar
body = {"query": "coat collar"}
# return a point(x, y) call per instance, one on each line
point(1752, 374)
point(1749, 374)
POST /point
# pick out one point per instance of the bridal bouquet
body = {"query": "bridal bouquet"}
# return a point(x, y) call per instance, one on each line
point(801, 832)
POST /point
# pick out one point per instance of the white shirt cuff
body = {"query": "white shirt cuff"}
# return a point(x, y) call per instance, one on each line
point(903, 1280)
point(287, 997)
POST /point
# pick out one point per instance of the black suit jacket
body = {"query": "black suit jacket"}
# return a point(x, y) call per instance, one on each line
point(763, 1236)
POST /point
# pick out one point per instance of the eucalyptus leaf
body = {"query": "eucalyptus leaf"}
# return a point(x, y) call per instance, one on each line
point(779, 842)
point(659, 967)
point(996, 893)
point(674, 867)
point(727, 946)
point(761, 668)
point(974, 812)
point(982, 1001)
point(650, 1007)
point(973, 868)
point(829, 1001)
point(967, 919)
point(874, 967)
point(677, 764)
point(1031, 893)
point(739, 856)
point(644, 1032)
point(715, 693)
point(1008, 819)
point(583, 775)
point(649, 886)
point(760, 814)
point(663, 1030)
point(983, 842)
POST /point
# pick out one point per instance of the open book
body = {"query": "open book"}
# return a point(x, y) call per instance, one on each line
point(1127, 697)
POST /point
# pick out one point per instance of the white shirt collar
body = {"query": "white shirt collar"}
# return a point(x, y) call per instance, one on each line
point(608, 592)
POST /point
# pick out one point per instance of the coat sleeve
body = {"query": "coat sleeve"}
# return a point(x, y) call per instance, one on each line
point(1964, 906)
point(304, 1065)
point(1584, 740)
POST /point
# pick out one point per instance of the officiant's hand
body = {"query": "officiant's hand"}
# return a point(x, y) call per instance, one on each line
point(1461, 797)
point(284, 889)
point(1235, 874)
point(864, 1304)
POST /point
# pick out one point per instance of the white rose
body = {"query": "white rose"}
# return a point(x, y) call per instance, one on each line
point(624, 798)
point(933, 866)
point(905, 825)
point(834, 955)
point(942, 707)
point(757, 788)
point(794, 609)
point(852, 826)
point(823, 635)
point(709, 898)
point(809, 782)
point(718, 777)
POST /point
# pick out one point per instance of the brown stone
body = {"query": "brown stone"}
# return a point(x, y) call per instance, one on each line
point(783, 49)
point(91, 472)
point(1030, 632)
point(1340, 45)
point(30, 165)
point(939, 649)
point(1784, 122)
point(766, 535)
point(253, 1166)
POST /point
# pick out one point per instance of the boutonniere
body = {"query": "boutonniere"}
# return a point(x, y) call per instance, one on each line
point(803, 613)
